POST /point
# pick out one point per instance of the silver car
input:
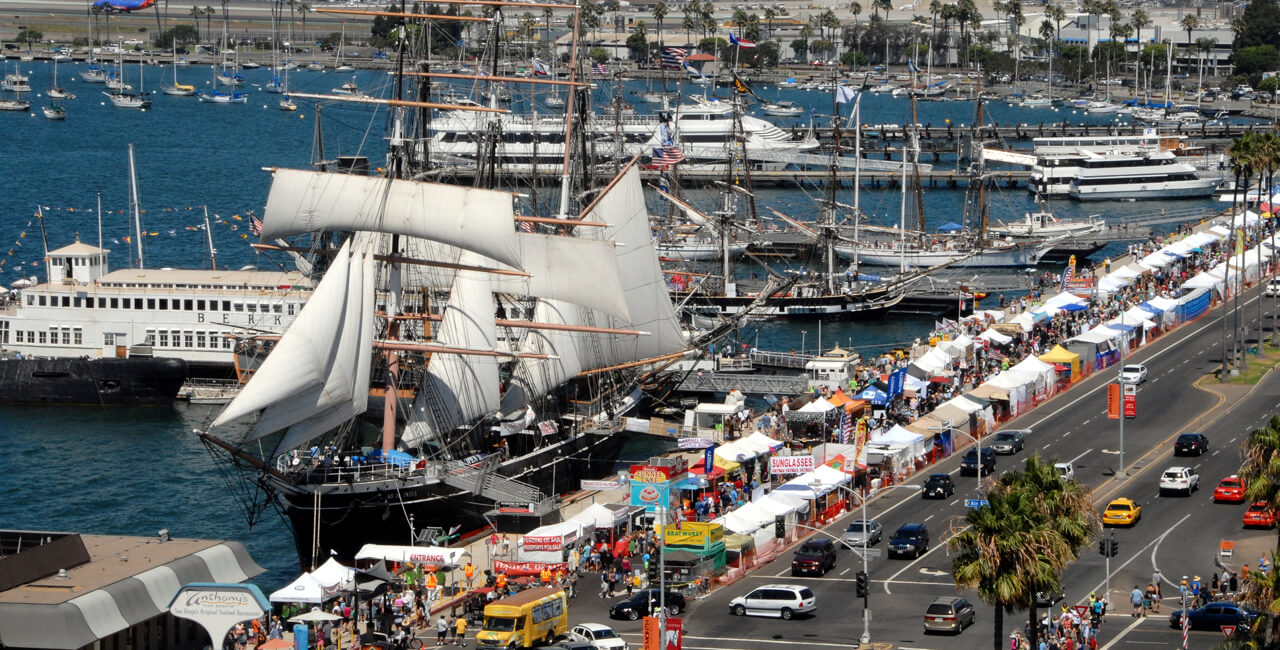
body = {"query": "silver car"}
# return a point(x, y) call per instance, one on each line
point(778, 601)
point(949, 614)
point(862, 530)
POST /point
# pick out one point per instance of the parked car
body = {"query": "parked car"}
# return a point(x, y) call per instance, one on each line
point(863, 530)
point(969, 465)
point(948, 614)
point(601, 637)
point(1133, 374)
point(1121, 512)
point(938, 486)
point(910, 539)
point(1213, 616)
point(780, 601)
point(1191, 444)
point(646, 602)
point(1009, 441)
point(815, 556)
point(1179, 479)
point(1259, 515)
point(1273, 288)
point(1229, 490)
point(1066, 471)
point(1049, 599)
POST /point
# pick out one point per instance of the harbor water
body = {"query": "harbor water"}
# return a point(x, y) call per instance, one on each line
point(138, 470)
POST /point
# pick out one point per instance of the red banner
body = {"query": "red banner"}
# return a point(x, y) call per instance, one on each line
point(527, 568)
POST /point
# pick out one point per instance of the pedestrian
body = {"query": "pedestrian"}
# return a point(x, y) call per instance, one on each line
point(442, 628)
point(1135, 597)
point(460, 631)
point(604, 585)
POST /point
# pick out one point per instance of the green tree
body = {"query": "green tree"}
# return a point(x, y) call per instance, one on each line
point(689, 23)
point(598, 54)
point(1189, 23)
point(29, 36)
point(801, 47)
point(766, 55)
point(1139, 19)
point(713, 44)
point(1256, 60)
point(1261, 467)
point(638, 42)
point(854, 59)
point(769, 14)
point(1258, 25)
point(1034, 525)
point(660, 12)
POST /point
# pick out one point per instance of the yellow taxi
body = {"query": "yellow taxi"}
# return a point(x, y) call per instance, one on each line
point(1121, 512)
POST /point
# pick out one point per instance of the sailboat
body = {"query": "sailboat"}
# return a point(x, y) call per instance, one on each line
point(229, 75)
point(177, 89)
point(55, 91)
point(339, 66)
point(54, 112)
point(215, 96)
point(121, 98)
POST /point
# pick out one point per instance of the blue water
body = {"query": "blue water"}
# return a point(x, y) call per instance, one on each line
point(135, 471)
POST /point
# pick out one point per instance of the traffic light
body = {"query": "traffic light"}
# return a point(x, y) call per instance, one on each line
point(863, 585)
point(780, 527)
point(1103, 547)
point(1113, 546)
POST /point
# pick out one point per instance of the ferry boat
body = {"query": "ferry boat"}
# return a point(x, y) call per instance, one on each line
point(1139, 176)
point(196, 316)
point(702, 131)
point(1057, 159)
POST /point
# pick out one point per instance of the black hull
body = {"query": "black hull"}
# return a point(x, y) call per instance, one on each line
point(348, 521)
point(97, 382)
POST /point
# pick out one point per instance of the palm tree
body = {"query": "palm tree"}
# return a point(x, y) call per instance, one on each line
point(769, 14)
point(1189, 22)
point(226, 15)
point(659, 12)
point(1139, 19)
point(1034, 525)
point(689, 23)
point(1261, 591)
point(159, 25)
point(196, 13)
point(303, 9)
point(1057, 14)
point(855, 8)
point(1242, 154)
point(1261, 468)
point(209, 11)
point(935, 8)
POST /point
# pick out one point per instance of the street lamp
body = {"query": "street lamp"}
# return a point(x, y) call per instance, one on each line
point(977, 443)
point(866, 629)
point(802, 335)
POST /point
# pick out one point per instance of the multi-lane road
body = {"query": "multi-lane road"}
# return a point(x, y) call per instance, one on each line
point(1177, 535)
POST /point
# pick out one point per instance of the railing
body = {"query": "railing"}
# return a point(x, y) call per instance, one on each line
point(780, 359)
point(308, 469)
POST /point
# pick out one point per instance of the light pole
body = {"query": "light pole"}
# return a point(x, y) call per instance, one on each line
point(1120, 378)
point(977, 445)
point(802, 335)
point(866, 618)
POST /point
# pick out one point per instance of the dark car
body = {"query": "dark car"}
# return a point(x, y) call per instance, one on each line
point(645, 602)
point(938, 486)
point(1048, 599)
point(910, 539)
point(1191, 444)
point(1008, 442)
point(815, 556)
point(970, 463)
point(1213, 616)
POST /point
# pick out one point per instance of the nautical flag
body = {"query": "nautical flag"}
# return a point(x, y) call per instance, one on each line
point(1068, 275)
point(667, 155)
point(911, 65)
point(846, 428)
point(664, 135)
point(255, 225)
point(744, 44)
point(527, 226)
point(692, 70)
point(846, 94)
point(541, 69)
point(599, 68)
point(742, 87)
point(673, 57)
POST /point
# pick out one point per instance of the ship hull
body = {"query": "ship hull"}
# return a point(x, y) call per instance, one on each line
point(131, 381)
point(390, 512)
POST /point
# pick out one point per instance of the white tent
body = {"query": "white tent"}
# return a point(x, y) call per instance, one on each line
point(1026, 320)
point(435, 555)
point(1129, 271)
point(1205, 281)
point(819, 405)
point(747, 519)
point(1043, 372)
point(777, 505)
point(305, 589)
point(901, 436)
point(995, 337)
point(597, 515)
point(759, 443)
point(333, 574)
point(1156, 260)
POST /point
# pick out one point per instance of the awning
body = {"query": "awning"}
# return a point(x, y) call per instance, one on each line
point(100, 613)
point(436, 555)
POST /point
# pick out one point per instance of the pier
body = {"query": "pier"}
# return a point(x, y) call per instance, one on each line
point(723, 382)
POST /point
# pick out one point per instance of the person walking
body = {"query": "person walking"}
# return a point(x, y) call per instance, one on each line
point(442, 628)
point(1135, 597)
point(460, 631)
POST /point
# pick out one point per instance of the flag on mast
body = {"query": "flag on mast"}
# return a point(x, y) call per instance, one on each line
point(742, 43)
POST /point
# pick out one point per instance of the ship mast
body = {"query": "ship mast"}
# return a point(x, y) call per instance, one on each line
point(133, 198)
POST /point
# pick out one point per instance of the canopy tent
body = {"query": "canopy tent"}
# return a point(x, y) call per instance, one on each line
point(305, 589)
point(753, 446)
point(995, 337)
point(1043, 371)
point(333, 574)
point(1027, 320)
point(1129, 271)
point(760, 443)
point(1157, 260)
point(820, 405)
point(1060, 355)
point(989, 392)
point(874, 395)
point(547, 543)
point(1206, 281)
point(747, 519)
point(993, 315)
point(600, 516)
point(901, 436)
point(839, 399)
point(778, 506)
point(1111, 284)
point(445, 558)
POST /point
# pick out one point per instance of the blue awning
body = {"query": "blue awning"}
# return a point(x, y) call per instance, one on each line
point(950, 227)
point(875, 396)
point(1074, 306)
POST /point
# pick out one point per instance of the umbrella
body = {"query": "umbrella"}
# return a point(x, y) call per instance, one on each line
point(315, 616)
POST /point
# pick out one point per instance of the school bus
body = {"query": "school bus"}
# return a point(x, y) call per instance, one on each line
point(529, 618)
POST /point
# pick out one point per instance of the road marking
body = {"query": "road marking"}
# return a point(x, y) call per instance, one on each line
point(926, 583)
point(1152, 543)
point(760, 640)
point(928, 518)
point(932, 572)
point(844, 572)
point(1136, 622)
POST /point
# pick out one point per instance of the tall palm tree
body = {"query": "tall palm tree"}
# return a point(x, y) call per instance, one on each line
point(1261, 467)
point(689, 23)
point(660, 11)
point(1033, 526)
point(196, 13)
point(769, 14)
point(1261, 591)
point(855, 8)
point(209, 11)
point(1189, 23)
point(1139, 19)
point(303, 9)
point(935, 8)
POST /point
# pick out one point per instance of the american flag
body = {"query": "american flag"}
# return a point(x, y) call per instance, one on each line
point(528, 226)
point(599, 68)
point(673, 57)
point(846, 428)
point(667, 155)
point(255, 225)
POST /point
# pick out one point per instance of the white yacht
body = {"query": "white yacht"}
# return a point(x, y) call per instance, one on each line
point(194, 315)
point(1138, 176)
point(702, 130)
point(1057, 159)
point(1044, 225)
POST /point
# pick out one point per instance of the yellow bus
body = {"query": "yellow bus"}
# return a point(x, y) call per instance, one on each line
point(529, 618)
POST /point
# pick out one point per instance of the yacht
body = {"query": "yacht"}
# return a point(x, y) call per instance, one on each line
point(703, 131)
point(1057, 159)
point(16, 82)
point(85, 310)
point(1138, 176)
point(782, 109)
point(1044, 225)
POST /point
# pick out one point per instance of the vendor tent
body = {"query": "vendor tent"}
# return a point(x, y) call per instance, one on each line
point(600, 516)
point(901, 436)
point(1062, 356)
point(995, 337)
point(819, 405)
point(333, 574)
point(305, 589)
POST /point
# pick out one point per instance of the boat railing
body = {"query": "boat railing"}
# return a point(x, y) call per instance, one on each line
point(306, 468)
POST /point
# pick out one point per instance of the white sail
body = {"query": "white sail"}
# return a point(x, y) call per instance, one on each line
point(537, 377)
point(459, 389)
point(318, 374)
point(477, 220)
point(573, 269)
point(644, 287)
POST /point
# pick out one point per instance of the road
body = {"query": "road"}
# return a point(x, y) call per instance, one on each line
point(1179, 535)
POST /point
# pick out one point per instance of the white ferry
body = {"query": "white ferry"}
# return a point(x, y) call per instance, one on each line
point(194, 315)
point(1134, 177)
point(1058, 159)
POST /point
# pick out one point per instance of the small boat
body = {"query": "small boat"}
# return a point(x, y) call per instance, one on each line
point(553, 101)
point(1036, 101)
point(276, 85)
point(287, 104)
point(94, 75)
point(179, 90)
point(116, 83)
point(789, 83)
point(250, 65)
point(649, 97)
point(129, 100)
point(349, 88)
point(1101, 108)
point(230, 78)
point(54, 112)
point(59, 93)
point(782, 109)
point(16, 82)
point(14, 105)
point(218, 97)
point(315, 66)
point(885, 87)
